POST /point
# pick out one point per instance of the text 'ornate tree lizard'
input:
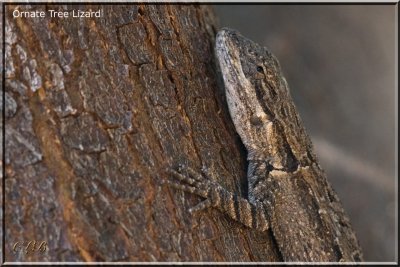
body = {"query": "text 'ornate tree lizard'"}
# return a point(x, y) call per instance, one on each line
point(287, 190)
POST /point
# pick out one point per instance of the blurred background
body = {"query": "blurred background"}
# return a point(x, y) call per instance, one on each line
point(339, 61)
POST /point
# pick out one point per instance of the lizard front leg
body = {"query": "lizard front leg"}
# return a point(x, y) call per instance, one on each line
point(251, 214)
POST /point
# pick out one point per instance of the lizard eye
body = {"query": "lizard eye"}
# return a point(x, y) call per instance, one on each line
point(255, 120)
point(260, 69)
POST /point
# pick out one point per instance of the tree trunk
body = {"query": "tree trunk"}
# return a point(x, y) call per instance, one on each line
point(96, 110)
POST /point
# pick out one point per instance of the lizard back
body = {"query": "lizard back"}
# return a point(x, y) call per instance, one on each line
point(305, 214)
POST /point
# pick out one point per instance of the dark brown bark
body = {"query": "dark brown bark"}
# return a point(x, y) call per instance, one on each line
point(96, 110)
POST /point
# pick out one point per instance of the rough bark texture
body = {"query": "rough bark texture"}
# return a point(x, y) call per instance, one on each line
point(96, 110)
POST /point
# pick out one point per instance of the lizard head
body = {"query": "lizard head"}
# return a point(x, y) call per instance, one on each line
point(257, 95)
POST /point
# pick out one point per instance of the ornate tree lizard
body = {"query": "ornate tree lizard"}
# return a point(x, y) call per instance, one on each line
point(287, 190)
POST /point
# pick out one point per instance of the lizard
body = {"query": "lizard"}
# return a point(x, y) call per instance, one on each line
point(288, 192)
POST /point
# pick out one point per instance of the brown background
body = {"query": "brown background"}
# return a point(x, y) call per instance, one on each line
point(339, 61)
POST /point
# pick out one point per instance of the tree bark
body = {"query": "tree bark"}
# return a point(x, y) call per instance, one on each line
point(96, 110)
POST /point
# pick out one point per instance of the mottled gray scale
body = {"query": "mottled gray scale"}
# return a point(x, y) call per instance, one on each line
point(254, 221)
point(224, 201)
point(236, 204)
point(288, 192)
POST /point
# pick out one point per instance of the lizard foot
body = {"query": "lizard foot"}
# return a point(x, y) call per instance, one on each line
point(251, 214)
point(195, 183)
